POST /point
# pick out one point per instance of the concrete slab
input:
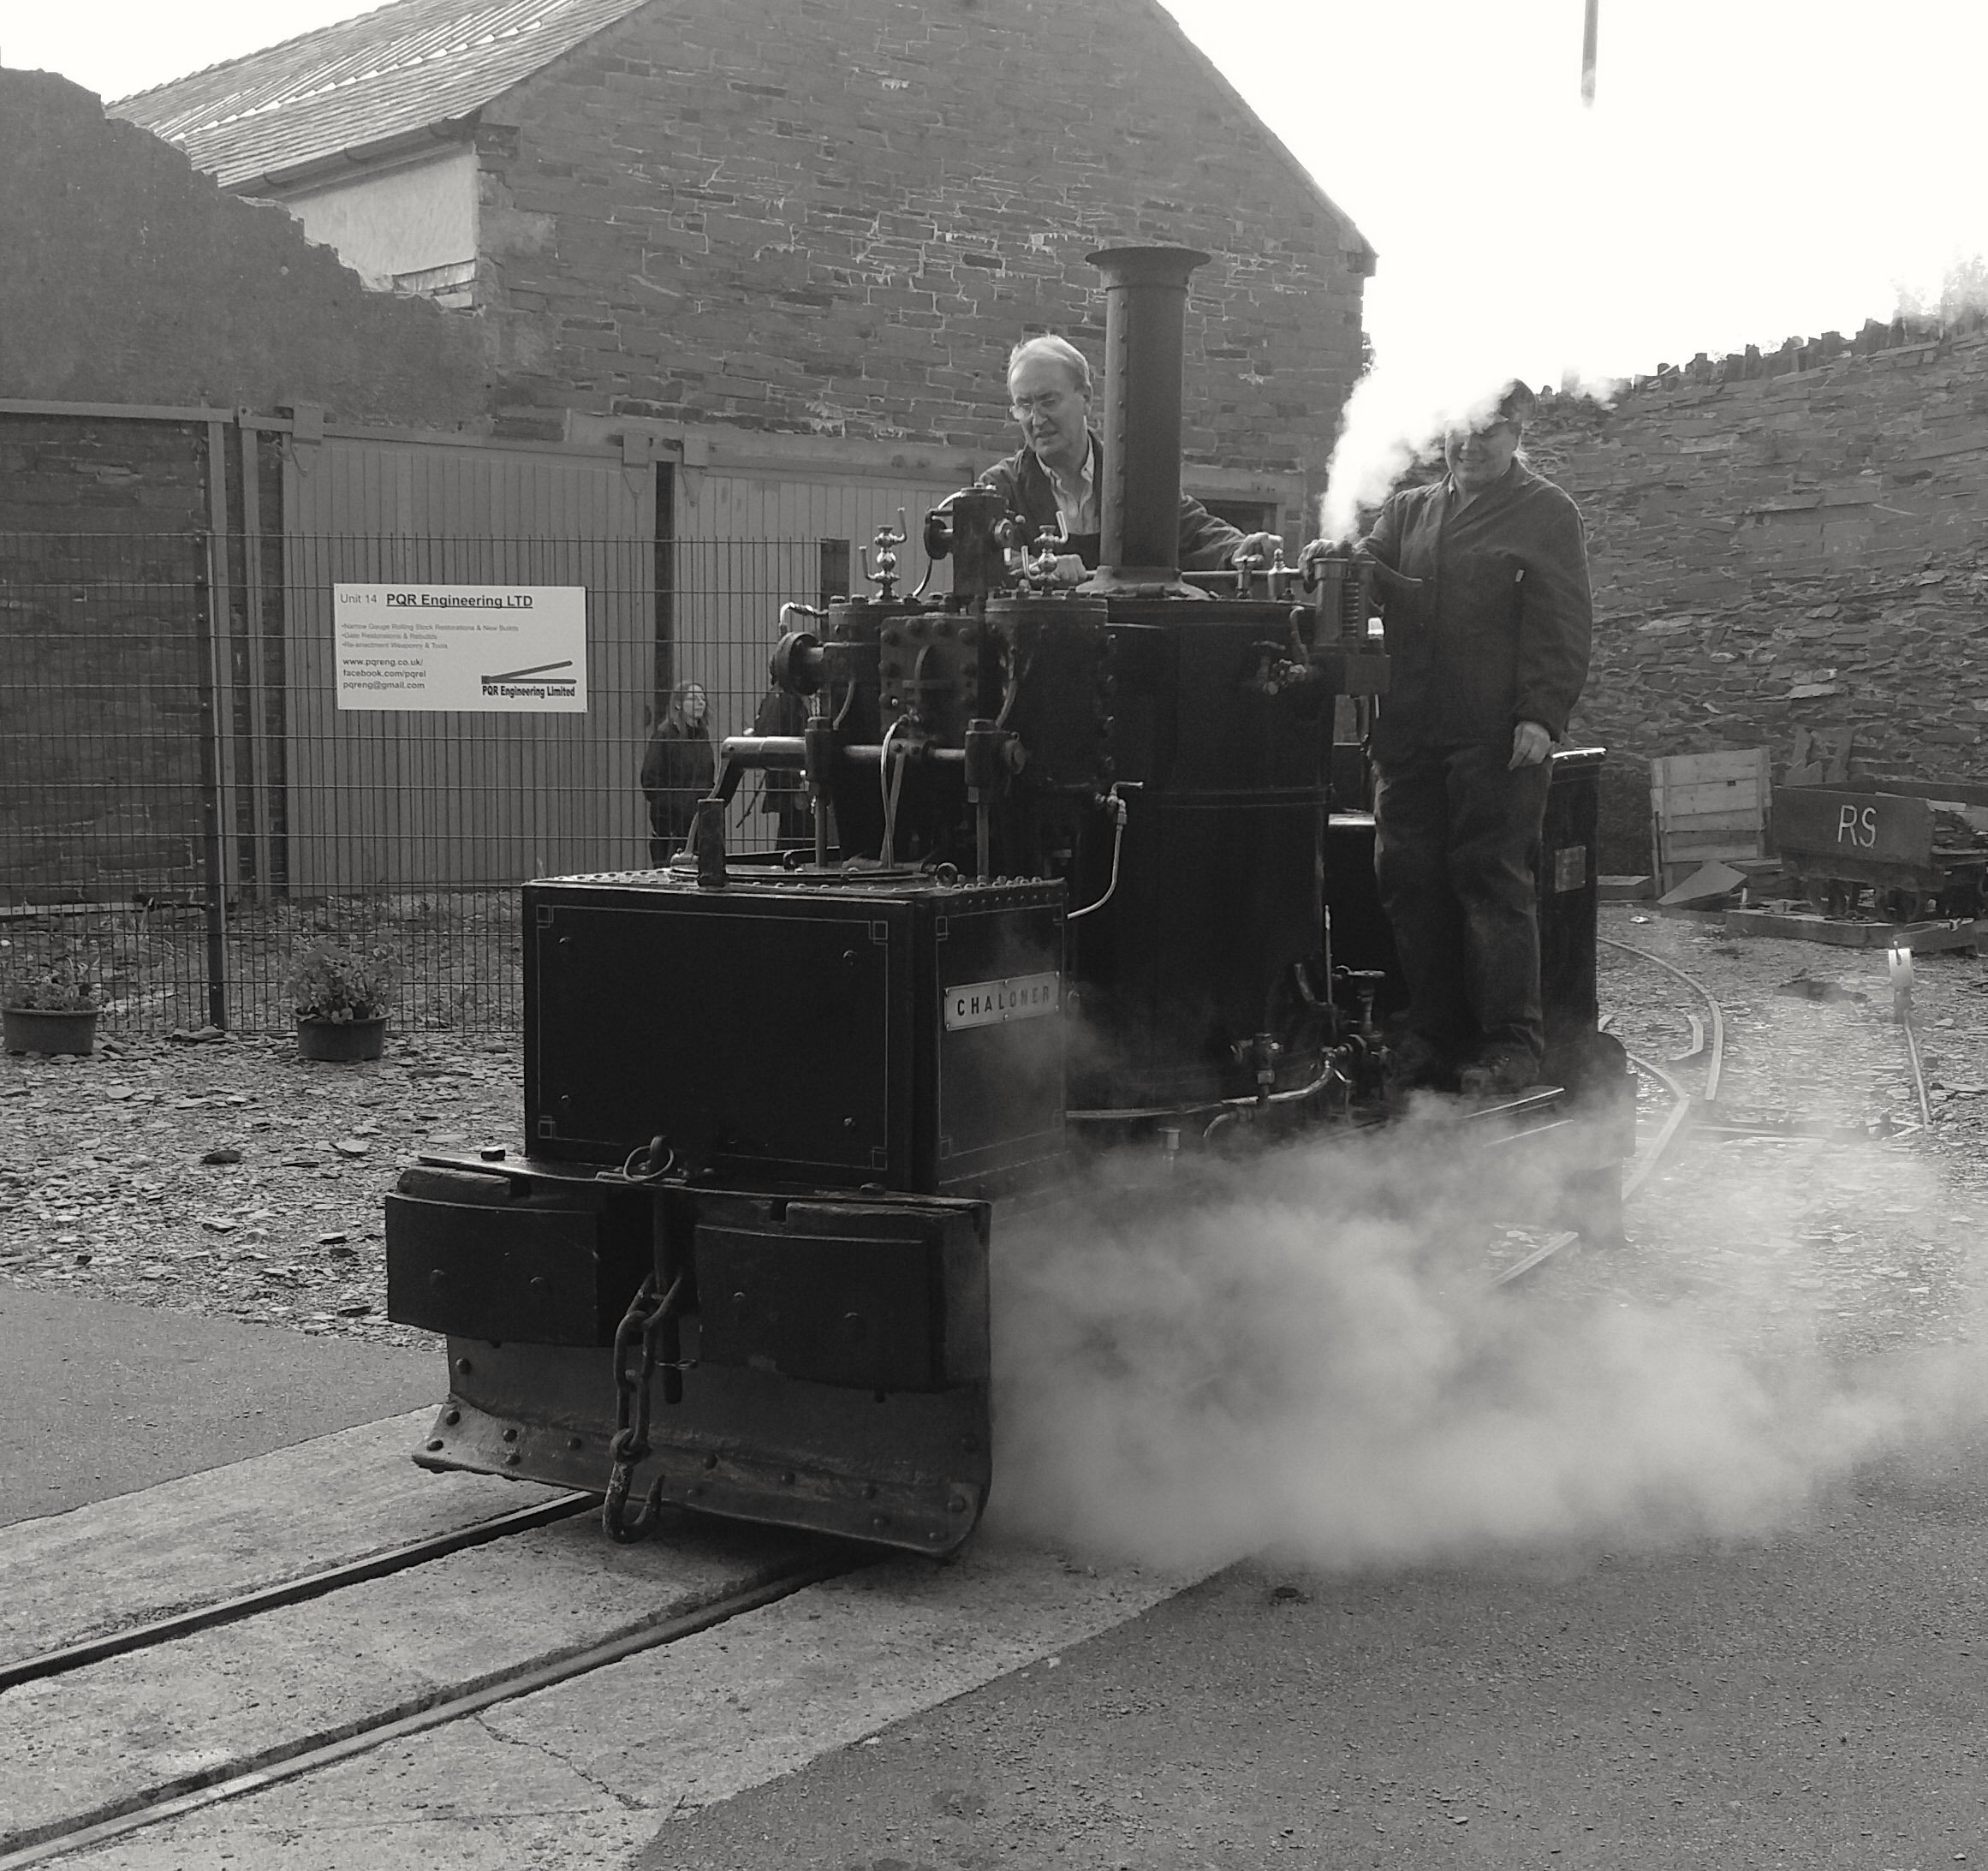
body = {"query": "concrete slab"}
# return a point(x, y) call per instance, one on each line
point(99, 1398)
point(215, 1535)
point(221, 1702)
point(584, 1772)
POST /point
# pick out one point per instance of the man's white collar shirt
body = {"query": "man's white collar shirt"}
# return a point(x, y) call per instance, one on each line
point(1077, 501)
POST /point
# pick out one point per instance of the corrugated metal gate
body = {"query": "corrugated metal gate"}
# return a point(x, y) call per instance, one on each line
point(182, 798)
point(397, 800)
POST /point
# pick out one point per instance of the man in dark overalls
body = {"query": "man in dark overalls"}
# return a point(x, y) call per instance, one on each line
point(1487, 653)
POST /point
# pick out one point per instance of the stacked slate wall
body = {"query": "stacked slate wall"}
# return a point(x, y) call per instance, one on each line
point(1796, 548)
point(131, 278)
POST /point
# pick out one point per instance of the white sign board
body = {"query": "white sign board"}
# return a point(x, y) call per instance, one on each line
point(496, 649)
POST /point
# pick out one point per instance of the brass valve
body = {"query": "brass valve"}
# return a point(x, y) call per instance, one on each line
point(887, 540)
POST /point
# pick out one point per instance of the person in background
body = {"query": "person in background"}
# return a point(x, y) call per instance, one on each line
point(678, 769)
point(1487, 653)
point(1054, 477)
point(783, 792)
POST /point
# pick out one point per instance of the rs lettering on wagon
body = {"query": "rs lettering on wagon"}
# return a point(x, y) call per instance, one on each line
point(987, 1003)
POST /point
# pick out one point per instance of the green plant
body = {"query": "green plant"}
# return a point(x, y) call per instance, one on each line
point(330, 981)
point(62, 983)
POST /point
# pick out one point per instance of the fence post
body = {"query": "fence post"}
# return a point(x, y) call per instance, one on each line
point(213, 880)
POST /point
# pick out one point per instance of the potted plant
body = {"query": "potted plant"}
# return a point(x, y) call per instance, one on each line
point(341, 995)
point(52, 1007)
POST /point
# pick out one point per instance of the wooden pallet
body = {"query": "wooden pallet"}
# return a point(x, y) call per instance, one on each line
point(1707, 809)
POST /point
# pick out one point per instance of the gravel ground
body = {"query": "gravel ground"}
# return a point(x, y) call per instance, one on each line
point(230, 1177)
point(1861, 1239)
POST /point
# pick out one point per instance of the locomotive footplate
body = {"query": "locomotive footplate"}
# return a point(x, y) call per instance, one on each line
point(809, 1359)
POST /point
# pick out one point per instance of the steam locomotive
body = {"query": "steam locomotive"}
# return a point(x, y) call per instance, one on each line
point(1100, 882)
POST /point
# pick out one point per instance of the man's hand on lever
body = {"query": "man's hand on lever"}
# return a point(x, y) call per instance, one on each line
point(1067, 568)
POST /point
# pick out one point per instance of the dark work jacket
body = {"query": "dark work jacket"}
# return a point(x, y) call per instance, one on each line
point(678, 767)
point(1497, 632)
point(1024, 484)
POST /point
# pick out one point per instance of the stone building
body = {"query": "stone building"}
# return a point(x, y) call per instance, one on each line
point(823, 223)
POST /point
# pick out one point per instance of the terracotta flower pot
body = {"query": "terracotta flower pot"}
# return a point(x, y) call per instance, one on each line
point(42, 1029)
point(341, 1038)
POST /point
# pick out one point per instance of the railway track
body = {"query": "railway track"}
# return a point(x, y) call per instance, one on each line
point(1708, 1039)
point(203, 1676)
point(194, 1686)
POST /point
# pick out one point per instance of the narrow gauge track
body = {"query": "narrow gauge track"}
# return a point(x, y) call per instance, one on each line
point(1689, 1109)
point(379, 1566)
point(1683, 1106)
point(252, 1769)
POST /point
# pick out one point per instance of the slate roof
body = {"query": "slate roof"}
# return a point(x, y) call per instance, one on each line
point(381, 78)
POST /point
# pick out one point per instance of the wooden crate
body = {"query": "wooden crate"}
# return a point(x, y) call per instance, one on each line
point(1707, 808)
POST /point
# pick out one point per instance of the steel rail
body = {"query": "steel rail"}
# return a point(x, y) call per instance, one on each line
point(294, 1759)
point(1918, 1072)
point(1673, 1124)
point(296, 1591)
point(1545, 1251)
point(1716, 1062)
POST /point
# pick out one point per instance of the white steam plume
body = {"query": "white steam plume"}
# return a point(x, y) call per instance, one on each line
point(1295, 1354)
point(1394, 414)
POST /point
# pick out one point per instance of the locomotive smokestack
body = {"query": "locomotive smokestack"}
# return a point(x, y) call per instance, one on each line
point(1146, 304)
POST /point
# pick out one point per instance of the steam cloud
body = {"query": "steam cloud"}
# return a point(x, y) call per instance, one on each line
point(1393, 416)
point(1292, 1354)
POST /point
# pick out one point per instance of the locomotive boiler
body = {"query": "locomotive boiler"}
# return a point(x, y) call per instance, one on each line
point(1091, 873)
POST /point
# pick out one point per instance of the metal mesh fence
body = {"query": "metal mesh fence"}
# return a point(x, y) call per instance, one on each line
point(184, 804)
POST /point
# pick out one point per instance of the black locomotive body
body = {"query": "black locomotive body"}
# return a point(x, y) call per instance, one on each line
point(1088, 889)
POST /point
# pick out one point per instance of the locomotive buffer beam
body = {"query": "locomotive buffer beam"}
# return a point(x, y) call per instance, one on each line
point(825, 1366)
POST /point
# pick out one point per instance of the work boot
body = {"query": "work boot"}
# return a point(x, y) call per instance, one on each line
point(1498, 1074)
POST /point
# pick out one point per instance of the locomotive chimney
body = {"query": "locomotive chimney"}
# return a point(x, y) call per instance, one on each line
point(1146, 304)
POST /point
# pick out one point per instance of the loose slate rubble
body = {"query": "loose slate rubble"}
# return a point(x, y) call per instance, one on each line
point(114, 1183)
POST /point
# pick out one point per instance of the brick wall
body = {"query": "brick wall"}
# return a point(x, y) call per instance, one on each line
point(1777, 548)
point(836, 217)
point(130, 278)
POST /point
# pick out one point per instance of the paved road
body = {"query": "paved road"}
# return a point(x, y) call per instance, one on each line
point(100, 1398)
point(1812, 1703)
point(1817, 1701)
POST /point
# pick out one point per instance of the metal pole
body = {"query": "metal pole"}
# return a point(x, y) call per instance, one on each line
point(214, 878)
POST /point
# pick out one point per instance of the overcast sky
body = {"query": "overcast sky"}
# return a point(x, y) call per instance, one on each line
point(1751, 169)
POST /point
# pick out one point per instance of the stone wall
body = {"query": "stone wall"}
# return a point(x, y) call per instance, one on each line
point(130, 278)
point(1798, 548)
point(836, 216)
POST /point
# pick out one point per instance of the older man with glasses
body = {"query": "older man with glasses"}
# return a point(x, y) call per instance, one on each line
point(1487, 652)
point(1053, 479)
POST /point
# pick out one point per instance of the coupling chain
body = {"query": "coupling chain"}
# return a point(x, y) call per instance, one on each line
point(647, 1312)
